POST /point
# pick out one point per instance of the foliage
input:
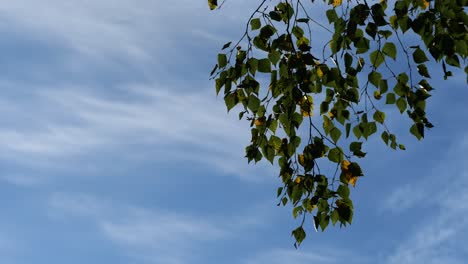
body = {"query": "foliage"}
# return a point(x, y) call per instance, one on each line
point(280, 81)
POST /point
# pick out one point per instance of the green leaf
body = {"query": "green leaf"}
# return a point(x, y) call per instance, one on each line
point(335, 134)
point(264, 65)
point(385, 137)
point(230, 100)
point(355, 147)
point(348, 129)
point(254, 103)
point(357, 131)
point(422, 69)
point(297, 211)
point(383, 86)
point(390, 50)
point(343, 191)
point(376, 58)
point(374, 78)
point(222, 60)
point(401, 104)
point(453, 61)
point(299, 234)
point(419, 56)
point(279, 191)
point(331, 15)
point(324, 221)
point(274, 56)
point(252, 64)
point(335, 155)
point(324, 107)
point(334, 217)
point(417, 130)
point(391, 99)
point(275, 142)
point(370, 129)
point(255, 23)
point(212, 4)
point(379, 116)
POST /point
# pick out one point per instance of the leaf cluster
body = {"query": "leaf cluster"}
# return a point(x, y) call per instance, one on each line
point(307, 109)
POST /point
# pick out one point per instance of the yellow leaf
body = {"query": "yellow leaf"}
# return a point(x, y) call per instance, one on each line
point(353, 181)
point(319, 72)
point(298, 180)
point(305, 112)
point(331, 115)
point(426, 4)
point(345, 165)
point(301, 159)
point(310, 207)
point(307, 105)
point(337, 3)
point(259, 122)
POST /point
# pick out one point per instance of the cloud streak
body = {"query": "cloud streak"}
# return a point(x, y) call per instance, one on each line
point(151, 235)
point(439, 238)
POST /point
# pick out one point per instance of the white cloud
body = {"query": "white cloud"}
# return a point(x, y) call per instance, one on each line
point(441, 235)
point(278, 256)
point(176, 126)
point(156, 236)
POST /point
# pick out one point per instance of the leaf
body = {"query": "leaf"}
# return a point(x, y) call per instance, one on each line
point(343, 191)
point(231, 100)
point(376, 58)
point(254, 103)
point(337, 3)
point(212, 4)
point(374, 78)
point(379, 116)
point(335, 134)
point(255, 23)
point(274, 56)
point(334, 217)
point(331, 15)
point(335, 155)
point(417, 130)
point(391, 99)
point(299, 234)
point(307, 105)
point(324, 221)
point(385, 137)
point(226, 45)
point(419, 56)
point(345, 165)
point(390, 50)
point(222, 60)
point(422, 69)
point(401, 104)
point(264, 65)
point(369, 129)
point(353, 181)
point(279, 191)
point(259, 121)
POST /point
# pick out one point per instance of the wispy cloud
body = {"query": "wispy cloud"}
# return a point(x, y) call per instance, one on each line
point(147, 234)
point(319, 255)
point(177, 126)
point(441, 235)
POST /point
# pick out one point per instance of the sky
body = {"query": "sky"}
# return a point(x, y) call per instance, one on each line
point(115, 149)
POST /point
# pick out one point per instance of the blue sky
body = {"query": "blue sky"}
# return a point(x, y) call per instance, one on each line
point(115, 149)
